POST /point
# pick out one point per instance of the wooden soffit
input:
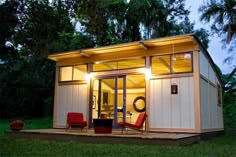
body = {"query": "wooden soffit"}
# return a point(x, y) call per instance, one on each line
point(127, 50)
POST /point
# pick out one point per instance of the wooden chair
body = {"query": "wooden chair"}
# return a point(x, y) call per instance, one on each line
point(75, 119)
point(138, 124)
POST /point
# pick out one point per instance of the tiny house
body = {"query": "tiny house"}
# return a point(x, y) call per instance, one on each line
point(172, 79)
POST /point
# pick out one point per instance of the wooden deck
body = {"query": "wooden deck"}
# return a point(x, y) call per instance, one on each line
point(130, 137)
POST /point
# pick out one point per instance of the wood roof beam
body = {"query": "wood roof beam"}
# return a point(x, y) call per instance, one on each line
point(83, 54)
point(141, 44)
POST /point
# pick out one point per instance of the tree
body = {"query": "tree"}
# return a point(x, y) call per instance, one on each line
point(8, 22)
point(109, 22)
point(229, 99)
point(27, 78)
point(221, 14)
point(40, 25)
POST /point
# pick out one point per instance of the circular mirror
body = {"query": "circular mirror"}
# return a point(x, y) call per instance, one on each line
point(139, 104)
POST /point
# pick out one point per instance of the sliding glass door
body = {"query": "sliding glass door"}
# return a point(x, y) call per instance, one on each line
point(109, 98)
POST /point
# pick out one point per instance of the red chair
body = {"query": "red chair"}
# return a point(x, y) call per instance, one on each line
point(137, 126)
point(75, 119)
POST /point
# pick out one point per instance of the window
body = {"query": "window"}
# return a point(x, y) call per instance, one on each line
point(79, 72)
point(116, 65)
point(182, 62)
point(66, 73)
point(73, 73)
point(177, 63)
point(161, 65)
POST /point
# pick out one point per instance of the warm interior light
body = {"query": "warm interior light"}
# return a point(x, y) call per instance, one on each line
point(88, 76)
point(187, 56)
point(148, 73)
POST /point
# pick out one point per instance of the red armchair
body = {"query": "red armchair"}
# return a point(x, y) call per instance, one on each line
point(138, 124)
point(75, 119)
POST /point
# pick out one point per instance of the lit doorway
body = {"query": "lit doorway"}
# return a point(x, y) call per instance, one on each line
point(113, 97)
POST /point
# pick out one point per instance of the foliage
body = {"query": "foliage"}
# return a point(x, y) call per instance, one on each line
point(27, 76)
point(31, 83)
point(220, 14)
point(17, 125)
point(229, 100)
point(8, 21)
point(109, 22)
point(40, 25)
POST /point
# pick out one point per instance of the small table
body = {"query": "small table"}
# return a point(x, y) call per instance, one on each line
point(102, 126)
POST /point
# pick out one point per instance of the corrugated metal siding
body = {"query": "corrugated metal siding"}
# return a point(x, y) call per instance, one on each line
point(168, 110)
point(71, 98)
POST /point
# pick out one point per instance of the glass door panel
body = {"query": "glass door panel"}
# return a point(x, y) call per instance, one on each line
point(109, 99)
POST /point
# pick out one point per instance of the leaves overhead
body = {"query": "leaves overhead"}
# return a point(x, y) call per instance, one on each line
point(221, 14)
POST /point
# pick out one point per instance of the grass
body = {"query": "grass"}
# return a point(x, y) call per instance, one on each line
point(10, 147)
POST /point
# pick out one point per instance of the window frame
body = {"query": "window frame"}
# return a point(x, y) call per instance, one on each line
point(117, 61)
point(171, 64)
point(72, 75)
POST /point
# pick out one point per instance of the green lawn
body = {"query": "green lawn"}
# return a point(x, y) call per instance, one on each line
point(10, 147)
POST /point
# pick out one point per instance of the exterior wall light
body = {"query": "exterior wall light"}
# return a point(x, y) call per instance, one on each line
point(174, 88)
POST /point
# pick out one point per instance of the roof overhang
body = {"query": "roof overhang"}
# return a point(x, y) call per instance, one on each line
point(132, 46)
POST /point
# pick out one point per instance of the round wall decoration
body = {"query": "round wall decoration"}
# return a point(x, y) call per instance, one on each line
point(139, 104)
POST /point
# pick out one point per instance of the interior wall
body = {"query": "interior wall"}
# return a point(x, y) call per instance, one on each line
point(71, 98)
point(130, 97)
point(172, 110)
point(95, 94)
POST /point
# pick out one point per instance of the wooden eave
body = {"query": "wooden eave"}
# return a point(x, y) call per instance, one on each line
point(133, 48)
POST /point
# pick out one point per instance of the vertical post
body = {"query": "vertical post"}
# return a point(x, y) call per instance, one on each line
point(99, 96)
point(196, 82)
point(90, 97)
point(115, 100)
point(55, 111)
point(147, 92)
point(124, 98)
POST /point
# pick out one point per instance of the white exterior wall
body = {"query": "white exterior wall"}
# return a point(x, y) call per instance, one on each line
point(71, 98)
point(211, 112)
point(172, 110)
point(203, 65)
point(204, 103)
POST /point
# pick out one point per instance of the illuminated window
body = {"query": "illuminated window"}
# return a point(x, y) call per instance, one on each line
point(116, 65)
point(181, 63)
point(73, 73)
point(79, 72)
point(177, 63)
point(161, 65)
point(66, 73)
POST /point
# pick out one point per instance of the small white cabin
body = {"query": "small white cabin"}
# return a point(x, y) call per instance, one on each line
point(172, 79)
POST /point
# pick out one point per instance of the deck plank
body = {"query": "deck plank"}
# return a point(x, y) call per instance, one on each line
point(129, 137)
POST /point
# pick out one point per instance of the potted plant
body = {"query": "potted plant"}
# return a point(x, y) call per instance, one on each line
point(17, 125)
